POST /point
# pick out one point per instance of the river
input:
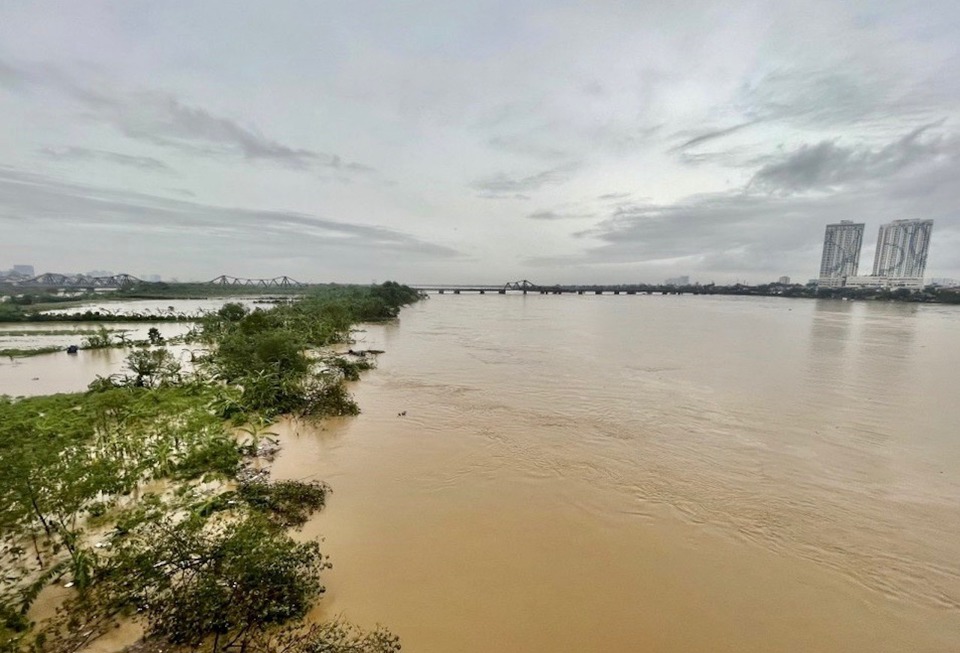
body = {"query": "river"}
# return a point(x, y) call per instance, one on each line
point(643, 473)
point(648, 473)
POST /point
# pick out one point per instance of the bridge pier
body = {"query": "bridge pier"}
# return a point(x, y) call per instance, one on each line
point(440, 291)
point(597, 292)
point(502, 291)
point(456, 292)
point(483, 292)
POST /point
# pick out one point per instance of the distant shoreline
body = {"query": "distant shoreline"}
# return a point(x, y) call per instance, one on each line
point(928, 295)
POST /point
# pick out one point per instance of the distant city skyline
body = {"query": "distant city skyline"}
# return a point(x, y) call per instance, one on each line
point(900, 254)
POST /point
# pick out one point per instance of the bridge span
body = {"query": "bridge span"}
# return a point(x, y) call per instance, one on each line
point(51, 280)
point(528, 287)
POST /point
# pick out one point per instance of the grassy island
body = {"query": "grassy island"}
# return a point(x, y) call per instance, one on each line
point(137, 501)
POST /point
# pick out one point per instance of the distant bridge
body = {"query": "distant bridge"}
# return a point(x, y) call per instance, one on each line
point(275, 282)
point(118, 281)
point(525, 286)
point(54, 280)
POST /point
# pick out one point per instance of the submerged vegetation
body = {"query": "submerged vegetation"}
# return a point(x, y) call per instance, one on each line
point(133, 495)
point(18, 352)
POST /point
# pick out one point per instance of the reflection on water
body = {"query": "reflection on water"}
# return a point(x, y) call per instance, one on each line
point(648, 473)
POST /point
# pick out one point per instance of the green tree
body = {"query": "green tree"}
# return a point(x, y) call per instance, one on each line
point(152, 367)
point(153, 335)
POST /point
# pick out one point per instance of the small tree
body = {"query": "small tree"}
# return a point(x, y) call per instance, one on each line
point(154, 336)
point(152, 367)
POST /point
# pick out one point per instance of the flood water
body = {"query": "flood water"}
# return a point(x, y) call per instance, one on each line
point(636, 473)
point(46, 374)
point(61, 372)
point(647, 474)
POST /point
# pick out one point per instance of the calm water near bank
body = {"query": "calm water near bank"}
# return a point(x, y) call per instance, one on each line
point(648, 473)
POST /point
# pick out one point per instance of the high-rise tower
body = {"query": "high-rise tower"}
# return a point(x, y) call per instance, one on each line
point(902, 247)
point(841, 253)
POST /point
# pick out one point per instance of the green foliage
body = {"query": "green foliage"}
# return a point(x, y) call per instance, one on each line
point(22, 353)
point(327, 637)
point(215, 570)
point(98, 340)
point(216, 457)
point(64, 455)
point(285, 503)
point(350, 369)
point(227, 580)
point(327, 398)
point(232, 312)
point(152, 367)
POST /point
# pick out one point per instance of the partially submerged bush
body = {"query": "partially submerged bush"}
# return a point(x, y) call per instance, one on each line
point(286, 503)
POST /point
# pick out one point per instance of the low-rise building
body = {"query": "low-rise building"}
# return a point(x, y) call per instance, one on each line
point(913, 283)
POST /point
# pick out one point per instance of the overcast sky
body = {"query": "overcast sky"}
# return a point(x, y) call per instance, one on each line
point(473, 141)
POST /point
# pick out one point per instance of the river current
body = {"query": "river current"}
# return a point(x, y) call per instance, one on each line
point(638, 473)
point(648, 473)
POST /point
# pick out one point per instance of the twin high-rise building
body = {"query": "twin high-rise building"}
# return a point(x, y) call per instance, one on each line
point(902, 248)
point(841, 253)
point(899, 262)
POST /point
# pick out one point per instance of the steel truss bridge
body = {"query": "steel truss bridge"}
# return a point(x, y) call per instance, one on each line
point(54, 280)
point(275, 282)
point(118, 281)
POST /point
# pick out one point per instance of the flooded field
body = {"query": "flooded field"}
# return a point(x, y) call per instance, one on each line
point(160, 307)
point(62, 372)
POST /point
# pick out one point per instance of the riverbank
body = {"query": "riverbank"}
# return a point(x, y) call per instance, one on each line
point(77, 460)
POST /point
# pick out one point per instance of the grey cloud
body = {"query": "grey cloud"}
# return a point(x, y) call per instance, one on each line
point(614, 196)
point(816, 96)
point(163, 119)
point(501, 184)
point(712, 135)
point(44, 200)
point(85, 154)
point(861, 94)
point(554, 215)
point(829, 164)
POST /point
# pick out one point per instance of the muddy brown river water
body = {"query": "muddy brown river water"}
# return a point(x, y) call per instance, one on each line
point(647, 474)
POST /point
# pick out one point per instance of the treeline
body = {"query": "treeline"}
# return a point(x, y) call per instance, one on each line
point(929, 294)
point(140, 494)
point(190, 290)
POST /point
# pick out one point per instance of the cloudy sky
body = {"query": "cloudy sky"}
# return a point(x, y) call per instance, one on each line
point(445, 140)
